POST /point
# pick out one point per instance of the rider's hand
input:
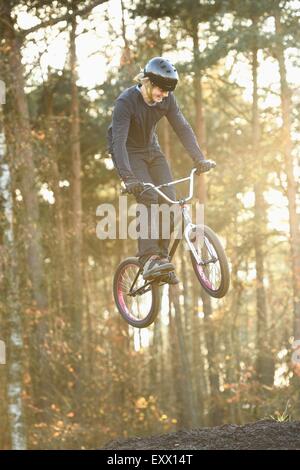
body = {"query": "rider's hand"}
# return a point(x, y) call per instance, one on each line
point(204, 165)
point(133, 186)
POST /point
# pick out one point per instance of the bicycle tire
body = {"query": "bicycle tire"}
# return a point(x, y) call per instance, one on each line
point(222, 289)
point(119, 290)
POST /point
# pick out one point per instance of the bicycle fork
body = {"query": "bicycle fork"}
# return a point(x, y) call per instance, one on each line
point(191, 233)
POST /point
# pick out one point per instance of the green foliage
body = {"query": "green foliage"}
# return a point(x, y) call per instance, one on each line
point(282, 417)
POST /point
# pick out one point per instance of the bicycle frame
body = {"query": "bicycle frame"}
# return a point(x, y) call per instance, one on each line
point(186, 220)
point(189, 226)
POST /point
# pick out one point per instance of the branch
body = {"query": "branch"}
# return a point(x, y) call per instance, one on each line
point(37, 62)
point(65, 17)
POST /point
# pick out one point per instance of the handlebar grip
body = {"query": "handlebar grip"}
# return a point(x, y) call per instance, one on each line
point(126, 191)
point(204, 166)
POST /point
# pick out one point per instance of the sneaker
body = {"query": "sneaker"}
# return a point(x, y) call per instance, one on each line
point(156, 266)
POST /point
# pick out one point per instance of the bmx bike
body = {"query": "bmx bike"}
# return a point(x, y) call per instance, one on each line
point(138, 300)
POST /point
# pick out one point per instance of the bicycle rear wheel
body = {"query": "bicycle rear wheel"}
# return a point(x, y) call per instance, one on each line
point(136, 299)
point(213, 270)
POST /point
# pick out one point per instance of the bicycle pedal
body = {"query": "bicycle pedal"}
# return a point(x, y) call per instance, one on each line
point(162, 280)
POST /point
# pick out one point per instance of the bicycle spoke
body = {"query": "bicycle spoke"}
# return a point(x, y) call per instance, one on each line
point(135, 306)
point(209, 269)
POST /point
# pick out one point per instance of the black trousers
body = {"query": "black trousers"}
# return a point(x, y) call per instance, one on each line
point(150, 166)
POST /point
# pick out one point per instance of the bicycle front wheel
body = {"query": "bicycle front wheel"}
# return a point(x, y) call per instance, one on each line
point(213, 270)
point(136, 299)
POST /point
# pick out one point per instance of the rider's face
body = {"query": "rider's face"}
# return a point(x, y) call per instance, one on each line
point(158, 94)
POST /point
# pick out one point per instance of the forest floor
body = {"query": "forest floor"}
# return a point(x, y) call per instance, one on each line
point(266, 434)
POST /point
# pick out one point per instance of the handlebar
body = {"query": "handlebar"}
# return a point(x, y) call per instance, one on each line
point(149, 186)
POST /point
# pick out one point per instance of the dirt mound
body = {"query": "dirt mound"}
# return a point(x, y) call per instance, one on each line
point(260, 435)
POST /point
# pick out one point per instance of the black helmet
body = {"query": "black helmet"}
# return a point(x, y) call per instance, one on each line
point(161, 73)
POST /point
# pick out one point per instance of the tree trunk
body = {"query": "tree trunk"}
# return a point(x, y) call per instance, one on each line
point(77, 307)
point(177, 387)
point(207, 309)
point(190, 405)
point(61, 237)
point(15, 347)
point(289, 169)
point(14, 321)
point(126, 60)
point(19, 140)
point(76, 195)
point(24, 161)
point(264, 371)
point(196, 345)
point(52, 129)
point(198, 99)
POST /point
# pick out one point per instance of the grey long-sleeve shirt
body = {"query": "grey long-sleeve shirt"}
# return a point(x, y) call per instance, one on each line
point(133, 127)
